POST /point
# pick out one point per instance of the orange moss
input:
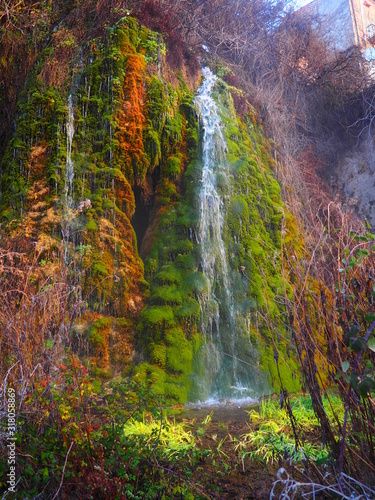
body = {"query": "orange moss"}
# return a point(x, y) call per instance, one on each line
point(35, 210)
point(38, 159)
point(114, 269)
point(131, 120)
point(110, 340)
point(124, 194)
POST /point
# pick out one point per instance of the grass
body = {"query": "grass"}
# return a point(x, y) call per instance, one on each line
point(170, 439)
point(272, 436)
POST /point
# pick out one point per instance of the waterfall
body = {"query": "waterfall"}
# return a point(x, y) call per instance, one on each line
point(69, 172)
point(69, 175)
point(223, 374)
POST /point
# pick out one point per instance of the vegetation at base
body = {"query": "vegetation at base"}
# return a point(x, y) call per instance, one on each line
point(169, 438)
point(103, 442)
point(273, 436)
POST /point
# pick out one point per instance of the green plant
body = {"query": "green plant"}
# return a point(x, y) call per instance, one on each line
point(208, 418)
point(169, 439)
point(201, 431)
point(273, 438)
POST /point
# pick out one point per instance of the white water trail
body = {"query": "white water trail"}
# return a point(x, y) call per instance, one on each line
point(217, 304)
point(69, 171)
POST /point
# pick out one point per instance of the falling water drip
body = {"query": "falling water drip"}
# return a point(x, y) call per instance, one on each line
point(69, 173)
point(221, 320)
point(110, 146)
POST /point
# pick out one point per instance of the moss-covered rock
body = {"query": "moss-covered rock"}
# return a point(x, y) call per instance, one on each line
point(128, 133)
point(252, 235)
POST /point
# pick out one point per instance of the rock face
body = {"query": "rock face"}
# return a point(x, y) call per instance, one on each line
point(100, 124)
point(357, 180)
point(104, 173)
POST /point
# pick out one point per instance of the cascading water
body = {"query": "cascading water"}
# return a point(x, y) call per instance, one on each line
point(69, 176)
point(225, 374)
point(69, 172)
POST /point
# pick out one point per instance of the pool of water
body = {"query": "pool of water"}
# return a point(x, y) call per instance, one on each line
point(224, 410)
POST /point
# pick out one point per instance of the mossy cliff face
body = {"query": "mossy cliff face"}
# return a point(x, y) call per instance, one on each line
point(105, 149)
point(171, 329)
point(99, 124)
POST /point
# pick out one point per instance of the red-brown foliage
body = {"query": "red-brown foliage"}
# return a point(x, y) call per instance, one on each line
point(165, 17)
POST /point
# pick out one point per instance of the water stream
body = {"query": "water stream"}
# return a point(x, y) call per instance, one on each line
point(224, 374)
point(69, 172)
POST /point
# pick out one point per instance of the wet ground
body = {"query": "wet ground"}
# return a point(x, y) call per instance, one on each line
point(224, 474)
point(225, 411)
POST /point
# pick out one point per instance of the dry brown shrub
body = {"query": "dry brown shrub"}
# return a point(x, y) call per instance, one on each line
point(56, 66)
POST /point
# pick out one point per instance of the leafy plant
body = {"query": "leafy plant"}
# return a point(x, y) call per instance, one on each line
point(170, 439)
point(273, 438)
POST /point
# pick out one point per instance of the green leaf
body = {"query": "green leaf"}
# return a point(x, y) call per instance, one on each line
point(322, 460)
point(366, 386)
point(354, 330)
point(371, 344)
point(345, 366)
point(49, 344)
point(28, 470)
point(338, 374)
point(358, 344)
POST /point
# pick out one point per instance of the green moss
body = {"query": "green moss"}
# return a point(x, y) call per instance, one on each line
point(167, 295)
point(196, 283)
point(179, 353)
point(152, 376)
point(158, 354)
point(168, 275)
point(176, 390)
point(99, 268)
point(190, 309)
point(173, 168)
point(252, 233)
point(95, 371)
point(91, 225)
point(157, 315)
point(288, 368)
point(96, 336)
point(96, 386)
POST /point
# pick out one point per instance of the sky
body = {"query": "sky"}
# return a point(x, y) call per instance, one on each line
point(300, 3)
